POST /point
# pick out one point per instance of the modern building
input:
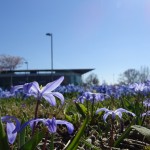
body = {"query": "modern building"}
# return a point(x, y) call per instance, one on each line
point(17, 77)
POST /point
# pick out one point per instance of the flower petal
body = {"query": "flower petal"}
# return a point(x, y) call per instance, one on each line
point(101, 109)
point(69, 125)
point(146, 114)
point(11, 136)
point(50, 98)
point(16, 88)
point(51, 124)
point(52, 85)
point(118, 113)
point(26, 87)
point(9, 120)
point(59, 95)
point(31, 123)
point(106, 115)
point(123, 110)
point(34, 89)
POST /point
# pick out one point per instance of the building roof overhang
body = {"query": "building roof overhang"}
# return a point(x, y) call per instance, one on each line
point(79, 71)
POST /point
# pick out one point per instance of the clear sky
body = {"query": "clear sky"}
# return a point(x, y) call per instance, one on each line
point(108, 35)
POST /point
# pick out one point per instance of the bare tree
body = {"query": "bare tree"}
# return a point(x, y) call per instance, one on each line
point(129, 76)
point(144, 74)
point(8, 62)
point(92, 79)
point(133, 75)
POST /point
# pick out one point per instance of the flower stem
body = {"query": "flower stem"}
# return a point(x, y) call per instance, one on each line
point(92, 110)
point(35, 115)
point(44, 145)
point(144, 116)
point(36, 109)
point(52, 142)
point(11, 147)
point(112, 133)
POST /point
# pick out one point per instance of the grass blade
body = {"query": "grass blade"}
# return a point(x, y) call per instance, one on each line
point(124, 135)
point(76, 139)
point(3, 138)
point(81, 109)
point(34, 141)
point(21, 136)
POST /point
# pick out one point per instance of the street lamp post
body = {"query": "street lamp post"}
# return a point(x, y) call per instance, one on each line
point(26, 64)
point(51, 35)
point(26, 70)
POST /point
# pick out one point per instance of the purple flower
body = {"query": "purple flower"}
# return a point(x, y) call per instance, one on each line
point(16, 88)
point(146, 114)
point(51, 124)
point(138, 87)
point(117, 112)
point(6, 94)
point(91, 97)
point(21, 89)
point(11, 128)
point(146, 102)
point(80, 99)
point(33, 89)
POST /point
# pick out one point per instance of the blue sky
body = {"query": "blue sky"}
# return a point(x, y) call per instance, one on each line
point(108, 35)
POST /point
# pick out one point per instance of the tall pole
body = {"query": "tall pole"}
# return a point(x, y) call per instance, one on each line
point(26, 62)
point(51, 35)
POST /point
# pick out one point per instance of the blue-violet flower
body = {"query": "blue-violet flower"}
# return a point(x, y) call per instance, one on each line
point(117, 112)
point(11, 128)
point(51, 124)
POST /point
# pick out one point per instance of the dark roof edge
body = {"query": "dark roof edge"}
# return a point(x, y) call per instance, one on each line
point(82, 71)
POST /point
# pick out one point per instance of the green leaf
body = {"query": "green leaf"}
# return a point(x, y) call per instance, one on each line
point(147, 147)
point(73, 145)
point(89, 145)
point(138, 110)
point(124, 135)
point(21, 136)
point(3, 138)
point(81, 109)
point(34, 141)
point(128, 104)
point(143, 130)
point(69, 118)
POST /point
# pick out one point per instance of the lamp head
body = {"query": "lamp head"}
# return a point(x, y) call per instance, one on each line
point(49, 34)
